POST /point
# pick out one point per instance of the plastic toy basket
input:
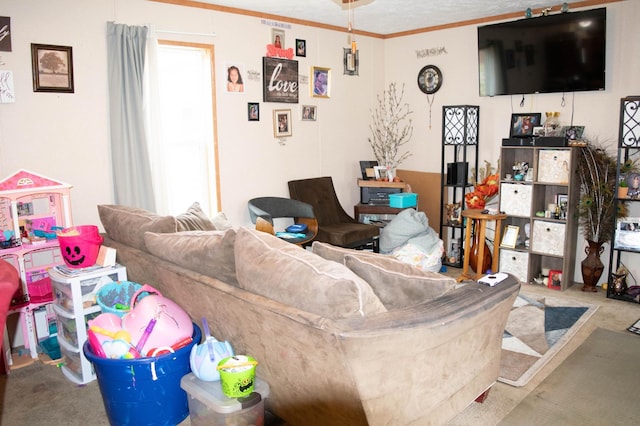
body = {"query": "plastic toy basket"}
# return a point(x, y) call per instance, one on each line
point(115, 297)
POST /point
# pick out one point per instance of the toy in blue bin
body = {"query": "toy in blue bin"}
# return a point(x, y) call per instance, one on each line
point(115, 297)
point(204, 358)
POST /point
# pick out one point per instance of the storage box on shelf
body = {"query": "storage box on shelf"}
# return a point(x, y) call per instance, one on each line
point(625, 245)
point(75, 304)
point(32, 206)
point(541, 207)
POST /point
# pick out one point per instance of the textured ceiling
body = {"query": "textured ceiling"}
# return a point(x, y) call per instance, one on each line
point(389, 16)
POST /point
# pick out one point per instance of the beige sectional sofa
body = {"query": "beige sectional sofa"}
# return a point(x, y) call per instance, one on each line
point(342, 337)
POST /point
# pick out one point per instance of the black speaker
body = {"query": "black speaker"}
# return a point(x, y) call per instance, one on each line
point(457, 173)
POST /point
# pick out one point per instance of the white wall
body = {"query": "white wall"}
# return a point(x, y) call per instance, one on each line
point(66, 136)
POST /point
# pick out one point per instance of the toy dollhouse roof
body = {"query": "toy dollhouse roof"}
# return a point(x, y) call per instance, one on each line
point(24, 180)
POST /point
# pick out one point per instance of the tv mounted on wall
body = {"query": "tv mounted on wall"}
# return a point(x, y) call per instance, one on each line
point(548, 54)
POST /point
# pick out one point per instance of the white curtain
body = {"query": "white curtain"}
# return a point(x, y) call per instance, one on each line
point(130, 159)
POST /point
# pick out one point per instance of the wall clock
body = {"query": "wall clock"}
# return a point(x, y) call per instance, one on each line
point(429, 79)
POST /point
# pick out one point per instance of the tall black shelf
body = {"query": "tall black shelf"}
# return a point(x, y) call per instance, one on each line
point(628, 148)
point(460, 130)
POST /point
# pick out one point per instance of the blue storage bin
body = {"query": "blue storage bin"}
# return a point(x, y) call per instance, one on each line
point(403, 200)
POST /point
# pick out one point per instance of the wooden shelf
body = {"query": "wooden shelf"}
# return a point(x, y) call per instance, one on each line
point(366, 183)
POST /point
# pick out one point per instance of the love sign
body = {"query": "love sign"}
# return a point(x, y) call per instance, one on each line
point(280, 80)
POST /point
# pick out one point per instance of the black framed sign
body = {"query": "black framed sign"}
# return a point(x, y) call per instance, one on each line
point(280, 80)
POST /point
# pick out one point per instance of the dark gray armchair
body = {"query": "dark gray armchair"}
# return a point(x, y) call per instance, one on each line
point(264, 209)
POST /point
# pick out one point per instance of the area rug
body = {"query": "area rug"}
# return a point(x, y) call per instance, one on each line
point(537, 328)
point(596, 385)
point(635, 327)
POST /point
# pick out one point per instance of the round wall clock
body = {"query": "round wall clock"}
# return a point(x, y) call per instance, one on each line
point(430, 79)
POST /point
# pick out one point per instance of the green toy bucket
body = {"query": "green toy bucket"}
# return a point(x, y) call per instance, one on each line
point(237, 375)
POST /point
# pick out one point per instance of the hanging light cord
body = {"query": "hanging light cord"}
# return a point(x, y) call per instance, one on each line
point(430, 101)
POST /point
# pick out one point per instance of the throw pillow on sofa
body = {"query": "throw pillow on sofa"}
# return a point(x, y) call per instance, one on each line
point(397, 284)
point(128, 224)
point(206, 252)
point(194, 219)
point(284, 272)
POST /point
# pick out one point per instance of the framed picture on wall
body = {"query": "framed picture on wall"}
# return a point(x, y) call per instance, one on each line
point(253, 111)
point(321, 86)
point(301, 47)
point(522, 125)
point(52, 68)
point(308, 113)
point(281, 123)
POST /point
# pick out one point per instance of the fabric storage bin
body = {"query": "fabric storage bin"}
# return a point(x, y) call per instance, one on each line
point(403, 200)
point(515, 199)
point(209, 406)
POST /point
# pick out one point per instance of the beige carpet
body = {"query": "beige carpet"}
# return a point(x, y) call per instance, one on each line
point(597, 380)
point(537, 329)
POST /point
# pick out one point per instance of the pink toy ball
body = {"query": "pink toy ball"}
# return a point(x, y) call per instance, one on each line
point(80, 245)
point(172, 324)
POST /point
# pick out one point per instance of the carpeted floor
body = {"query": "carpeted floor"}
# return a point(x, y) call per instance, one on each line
point(610, 393)
point(537, 329)
point(39, 395)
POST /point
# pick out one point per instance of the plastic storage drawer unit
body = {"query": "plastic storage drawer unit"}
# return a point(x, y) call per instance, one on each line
point(403, 200)
point(208, 406)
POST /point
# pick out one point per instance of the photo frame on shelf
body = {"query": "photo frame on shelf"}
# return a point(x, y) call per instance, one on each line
point(627, 234)
point(52, 68)
point(555, 279)
point(282, 123)
point(510, 237)
point(380, 172)
point(367, 169)
point(523, 125)
point(633, 182)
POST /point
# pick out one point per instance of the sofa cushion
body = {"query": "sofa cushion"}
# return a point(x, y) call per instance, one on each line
point(128, 224)
point(194, 219)
point(335, 253)
point(206, 252)
point(220, 222)
point(282, 271)
point(397, 284)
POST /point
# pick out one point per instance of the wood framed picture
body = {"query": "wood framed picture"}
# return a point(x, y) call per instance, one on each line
point(280, 80)
point(510, 237)
point(281, 123)
point(253, 111)
point(522, 125)
point(52, 68)
point(321, 87)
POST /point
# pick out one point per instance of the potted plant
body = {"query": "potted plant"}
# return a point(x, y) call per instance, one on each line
point(623, 188)
point(598, 208)
point(391, 128)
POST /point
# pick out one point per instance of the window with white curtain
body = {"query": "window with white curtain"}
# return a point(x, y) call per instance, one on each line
point(183, 147)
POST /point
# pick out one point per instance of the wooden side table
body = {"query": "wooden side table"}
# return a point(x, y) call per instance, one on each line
point(482, 218)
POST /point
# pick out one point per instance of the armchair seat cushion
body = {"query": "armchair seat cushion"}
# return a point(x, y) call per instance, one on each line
point(347, 234)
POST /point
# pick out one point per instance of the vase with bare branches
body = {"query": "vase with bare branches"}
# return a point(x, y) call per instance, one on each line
point(391, 128)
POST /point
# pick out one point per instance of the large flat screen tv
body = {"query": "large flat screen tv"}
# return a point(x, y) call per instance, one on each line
point(557, 53)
